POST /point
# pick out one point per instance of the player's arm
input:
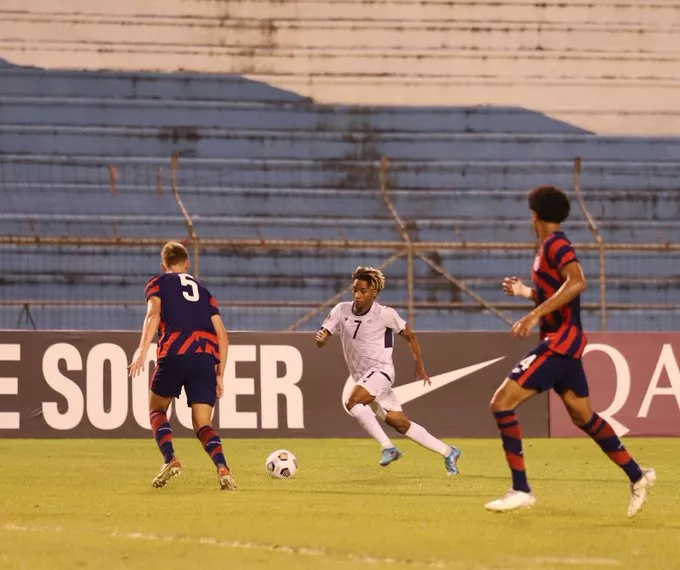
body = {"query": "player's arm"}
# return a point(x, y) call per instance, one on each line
point(409, 336)
point(322, 337)
point(223, 344)
point(574, 284)
point(151, 322)
point(513, 287)
point(329, 326)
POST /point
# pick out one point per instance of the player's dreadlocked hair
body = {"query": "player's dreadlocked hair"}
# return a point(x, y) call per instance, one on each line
point(374, 277)
point(550, 204)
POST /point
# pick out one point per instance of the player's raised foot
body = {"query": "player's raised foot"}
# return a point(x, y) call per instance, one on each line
point(167, 472)
point(451, 461)
point(512, 500)
point(639, 490)
point(225, 478)
point(389, 455)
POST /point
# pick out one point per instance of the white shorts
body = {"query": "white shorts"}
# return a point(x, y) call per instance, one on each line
point(379, 385)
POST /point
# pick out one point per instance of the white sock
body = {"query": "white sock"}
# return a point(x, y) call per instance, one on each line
point(369, 422)
point(422, 437)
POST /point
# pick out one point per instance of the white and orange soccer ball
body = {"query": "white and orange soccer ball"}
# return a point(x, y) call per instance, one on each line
point(281, 464)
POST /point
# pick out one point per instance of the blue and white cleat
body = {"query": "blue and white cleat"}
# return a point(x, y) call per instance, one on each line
point(389, 455)
point(451, 461)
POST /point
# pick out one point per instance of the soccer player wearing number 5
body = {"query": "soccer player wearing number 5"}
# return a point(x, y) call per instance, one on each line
point(192, 354)
point(555, 362)
point(366, 329)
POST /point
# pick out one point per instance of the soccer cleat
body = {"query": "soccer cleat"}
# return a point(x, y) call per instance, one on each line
point(512, 500)
point(167, 471)
point(389, 455)
point(225, 478)
point(451, 461)
point(639, 490)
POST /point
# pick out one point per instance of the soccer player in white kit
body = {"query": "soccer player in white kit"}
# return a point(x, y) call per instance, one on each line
point(366, 330)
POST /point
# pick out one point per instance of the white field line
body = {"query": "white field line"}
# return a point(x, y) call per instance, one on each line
point(291, 550)
point(583, 562)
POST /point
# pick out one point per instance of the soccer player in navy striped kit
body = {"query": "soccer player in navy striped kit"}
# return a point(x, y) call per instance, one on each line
point(192, 354)
point(555, 362)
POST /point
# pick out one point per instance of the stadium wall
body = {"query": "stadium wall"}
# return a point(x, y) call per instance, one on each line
point(75, 384)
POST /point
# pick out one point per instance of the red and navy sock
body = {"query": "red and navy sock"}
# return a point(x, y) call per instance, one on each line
point(163, 433)
point(511, 435)
point(609, 442)
point(212, 444)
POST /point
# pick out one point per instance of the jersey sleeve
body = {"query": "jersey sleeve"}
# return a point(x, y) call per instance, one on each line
point(393, 320)
point(214, 308)
point(332, 322)
point(153, 288)
point(560, 253)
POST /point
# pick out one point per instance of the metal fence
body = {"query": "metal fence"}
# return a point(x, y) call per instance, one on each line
point(53, 260)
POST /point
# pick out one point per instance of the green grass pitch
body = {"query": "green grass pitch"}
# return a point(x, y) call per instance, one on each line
point(70, 504)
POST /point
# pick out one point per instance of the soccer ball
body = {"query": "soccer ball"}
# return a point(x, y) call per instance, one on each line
point(281, 464)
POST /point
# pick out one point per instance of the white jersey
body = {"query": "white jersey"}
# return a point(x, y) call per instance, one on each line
point(367, 339)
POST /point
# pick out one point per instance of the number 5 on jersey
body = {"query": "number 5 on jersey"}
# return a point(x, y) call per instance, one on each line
point(188, 281)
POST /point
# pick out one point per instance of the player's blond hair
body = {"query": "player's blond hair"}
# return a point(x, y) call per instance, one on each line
point(174, 253)
point(374, 277)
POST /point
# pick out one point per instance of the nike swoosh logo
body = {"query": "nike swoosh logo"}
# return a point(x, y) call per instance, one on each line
point(413, 390)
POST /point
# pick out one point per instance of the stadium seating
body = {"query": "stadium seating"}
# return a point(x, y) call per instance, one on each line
point(262, 161)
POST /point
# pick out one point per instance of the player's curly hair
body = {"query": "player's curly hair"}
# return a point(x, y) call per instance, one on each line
point(173, 253)
point(374, 277)
point(550, 204)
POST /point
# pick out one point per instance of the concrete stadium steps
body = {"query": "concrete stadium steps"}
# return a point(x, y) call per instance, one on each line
point(50, 198)
point(275, 205)
point(628, 12)
point(281, 115)
point(216, 143)
point(334, 267)
point(261, 173)
point(606, 67)
point(329, 228)
point(355, 33)
point(433, 59)
point(84, 317)
point(34, 81)
point(313, 289)
point(440, 27)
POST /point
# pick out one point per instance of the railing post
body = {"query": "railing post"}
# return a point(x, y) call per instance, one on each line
point(401, 228)
point(598, 239)
point(193, 236)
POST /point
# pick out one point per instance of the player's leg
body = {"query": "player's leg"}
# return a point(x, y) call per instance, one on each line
point(503, 404)
point(201, 390)
point(530, 376)
point(201, 418)
point(163, 388)
point(574, 394)
point(359, 405)
point(396, 418)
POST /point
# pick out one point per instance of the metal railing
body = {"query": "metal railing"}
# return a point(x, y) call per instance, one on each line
point(407, 248)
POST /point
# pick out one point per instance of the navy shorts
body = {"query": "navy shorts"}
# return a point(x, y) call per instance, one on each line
point(542, 369)
point(194, 372)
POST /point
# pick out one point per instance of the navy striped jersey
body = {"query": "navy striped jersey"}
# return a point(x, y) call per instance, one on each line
point(562, 327)
point(186, 310)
